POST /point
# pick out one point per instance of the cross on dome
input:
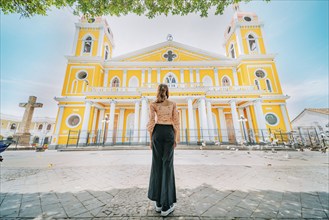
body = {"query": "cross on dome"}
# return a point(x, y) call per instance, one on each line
point(236, 7)
point(170, 37)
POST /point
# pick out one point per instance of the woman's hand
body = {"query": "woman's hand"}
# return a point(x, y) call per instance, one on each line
point(150, 145)
point(175, 144)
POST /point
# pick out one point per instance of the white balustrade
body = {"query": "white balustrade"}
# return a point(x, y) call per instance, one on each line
point(177, 87)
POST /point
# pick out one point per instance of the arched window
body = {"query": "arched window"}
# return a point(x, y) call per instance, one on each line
point(252, 43)
point(268, 85)
point(36, 139)
point(171, 81)
point(106, 52)
point(48, 127)
point(133, 83)
point(257, 84)
point(74, 86)
point(115, 82)
point(226, 81)
point(40, 127)
point(87, 43)
point(85, 86)
point(232, 51)
point(13, 126)
point(207, 81)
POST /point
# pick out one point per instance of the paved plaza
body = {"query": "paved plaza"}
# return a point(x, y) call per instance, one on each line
point(211, 184)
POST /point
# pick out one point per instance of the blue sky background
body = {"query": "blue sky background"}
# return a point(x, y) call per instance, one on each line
point(33, 50)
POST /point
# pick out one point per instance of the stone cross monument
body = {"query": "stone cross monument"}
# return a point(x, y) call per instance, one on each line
point(24, 130)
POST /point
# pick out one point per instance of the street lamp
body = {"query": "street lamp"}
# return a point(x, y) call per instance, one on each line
point(243, 121)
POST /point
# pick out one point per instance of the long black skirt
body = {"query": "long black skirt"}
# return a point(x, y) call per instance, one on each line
point(162, 180)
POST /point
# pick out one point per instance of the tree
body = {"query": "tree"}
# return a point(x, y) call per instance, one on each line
point(93, 8)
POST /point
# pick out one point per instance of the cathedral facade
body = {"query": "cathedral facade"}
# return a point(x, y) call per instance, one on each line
point(221, 98)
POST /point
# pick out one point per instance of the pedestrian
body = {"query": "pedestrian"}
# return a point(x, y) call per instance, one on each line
point(163, 127)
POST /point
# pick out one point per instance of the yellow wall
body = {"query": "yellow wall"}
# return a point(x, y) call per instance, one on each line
point(231, 40)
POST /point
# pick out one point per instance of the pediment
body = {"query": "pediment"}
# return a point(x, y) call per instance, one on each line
point(169, 51)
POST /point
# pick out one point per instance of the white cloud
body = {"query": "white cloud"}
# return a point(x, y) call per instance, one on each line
point(308, 93)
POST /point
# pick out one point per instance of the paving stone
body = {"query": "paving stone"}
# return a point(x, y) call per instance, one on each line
point(8, 212)
point(113, 185)
point(264, 212)
point(248, 204)
point(215, 211)
point(30, 212)
point(313, 213)
point(2, 197)
point(239, 212)
point(289, 213)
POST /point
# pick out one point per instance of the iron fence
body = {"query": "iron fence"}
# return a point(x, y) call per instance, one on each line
point(295, 139)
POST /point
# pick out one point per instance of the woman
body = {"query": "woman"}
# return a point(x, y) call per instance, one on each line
point(164, 137)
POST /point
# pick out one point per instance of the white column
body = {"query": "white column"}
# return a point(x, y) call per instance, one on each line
point(58, 123)
point(158, 75)
point(240, 112)
point(192, 130)
point(124, 81)
point(94, 122)
point(285, 117)
point(210, 121)
point(111, 123)
point(239, 41)
point(120, 125)
point(106, 78)
point(251, 126)
point(100, 42)
point(143, 77)
point(235, 77)
point(44, 127)
point(195, 123)
point(136, 121)
point(222, 124)
point(85, 122)
point(182, 76)
point(9, 123)
point(197, 75)
point(144, 119)
point(191, 76)
point(235, 118)
point(183, 129)
point(149, 72)
point(203, 116)
point(216, 76)
point(101, 118)
point(75, 42)
point(260, 119)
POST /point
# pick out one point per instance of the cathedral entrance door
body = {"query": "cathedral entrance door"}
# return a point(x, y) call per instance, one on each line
point(115, 128)
point(230, 128)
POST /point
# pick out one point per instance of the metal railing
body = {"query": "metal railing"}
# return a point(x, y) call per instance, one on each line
point(295, 139)
point(177, 87)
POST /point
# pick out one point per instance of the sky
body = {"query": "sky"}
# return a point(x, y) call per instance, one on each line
point(32, 50)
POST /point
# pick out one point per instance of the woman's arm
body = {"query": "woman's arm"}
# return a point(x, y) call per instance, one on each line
point(176, 123)
point(151, 122)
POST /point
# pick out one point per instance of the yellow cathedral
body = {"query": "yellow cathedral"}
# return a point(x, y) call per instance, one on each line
point(220, 98)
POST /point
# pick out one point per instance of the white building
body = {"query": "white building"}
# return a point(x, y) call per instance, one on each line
point(312, 118)
point(41, 128)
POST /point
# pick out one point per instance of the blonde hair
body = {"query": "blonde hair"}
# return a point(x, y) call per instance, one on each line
point(163, 93)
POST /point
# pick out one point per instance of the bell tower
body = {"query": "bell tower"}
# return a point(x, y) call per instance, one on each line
point(244, 34)
point(93, 38)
